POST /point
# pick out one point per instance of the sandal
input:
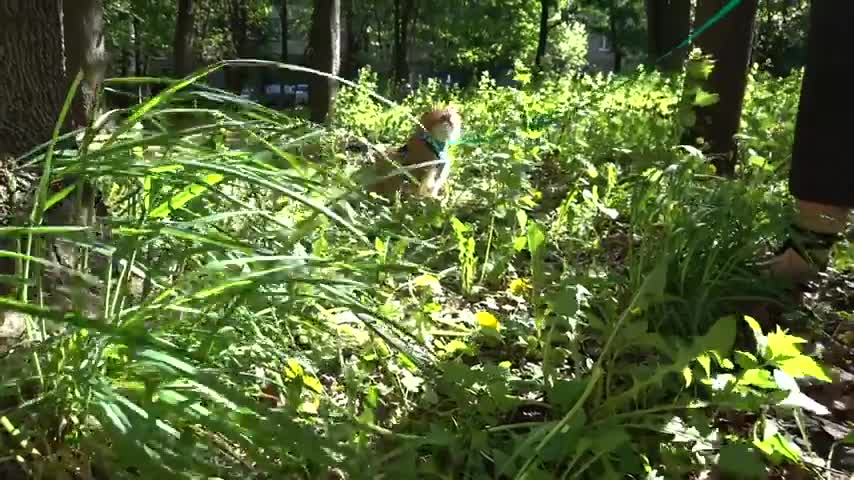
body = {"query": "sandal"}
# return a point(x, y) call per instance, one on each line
point(814, 249)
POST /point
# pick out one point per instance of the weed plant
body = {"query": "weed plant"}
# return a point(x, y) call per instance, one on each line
point(567, 311)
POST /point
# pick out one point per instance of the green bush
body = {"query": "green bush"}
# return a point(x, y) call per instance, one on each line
point(564, 312)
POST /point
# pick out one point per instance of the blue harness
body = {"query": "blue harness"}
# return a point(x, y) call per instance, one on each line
point(440, 149)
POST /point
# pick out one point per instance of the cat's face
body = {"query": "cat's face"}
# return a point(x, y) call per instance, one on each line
point(444, 123)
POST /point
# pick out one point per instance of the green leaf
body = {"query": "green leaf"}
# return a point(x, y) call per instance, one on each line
point(705, 99)
point(116, 416)
point(185, 196)
point(688, 376)
point(565, 393)
point(757, 377)
point(609, 439)
point(755, 328)
point(776, 446)
point(746, 360)
point(720, 338)
point(653, 285)
point(536, 245)
point(705, 361)
point(176, 363)
point(783, 352)
point(741, 461)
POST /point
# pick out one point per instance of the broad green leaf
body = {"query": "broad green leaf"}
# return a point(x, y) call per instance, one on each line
point(653, 285)
point(746, 360)
point(783, 351)
point(757, 377)
point(565, 393)
point(776, 446)
point(609, 439)
point(721, 337)
point(741, 461)
point(705, 99)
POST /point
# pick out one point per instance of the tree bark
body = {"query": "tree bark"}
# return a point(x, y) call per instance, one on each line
point(283, 19)
point(33, 80)
point(730, 42)
point(43, 46)
point(184, 31)
point(238, 25)
point(136, 27)
point(668, 24)
point(402, 19)
point(325, 56)
point(350, 44)
point(543, 40)
point(614, 33)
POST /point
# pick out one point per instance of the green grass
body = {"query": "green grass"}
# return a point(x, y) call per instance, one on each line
point(566, 312)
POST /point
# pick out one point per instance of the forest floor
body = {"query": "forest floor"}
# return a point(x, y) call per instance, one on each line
point(830, 339)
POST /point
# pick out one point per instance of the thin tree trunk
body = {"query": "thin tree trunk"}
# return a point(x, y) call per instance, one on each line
point(542, 42)
point(285, 33)
point(614, 33)
point(668, 24)
point(324, 56)
point(398, 51)
point(136, 31)
point(350, 45)
point(184, 30)
point(730, 42)
point(238, 24)
point(283, 19)
point(403, 14)
point(403, 53)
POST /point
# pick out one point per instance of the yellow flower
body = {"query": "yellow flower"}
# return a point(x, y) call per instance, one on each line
point(429, 282)
point(519, 286)
point(486, 320)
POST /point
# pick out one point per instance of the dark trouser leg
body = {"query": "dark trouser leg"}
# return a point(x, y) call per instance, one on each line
point(822, 170)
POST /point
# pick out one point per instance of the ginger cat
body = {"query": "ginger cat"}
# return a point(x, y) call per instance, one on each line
point(424, 156)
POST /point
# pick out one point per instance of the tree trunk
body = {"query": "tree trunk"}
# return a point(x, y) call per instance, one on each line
point(44, 44)
point(668, 24)
point(283, 19)
point(184, 30)
point(402, 15)
point(542, 43)
point(238, 25)
point(38, 65)
point(33, 81)
point(614, 33)
point(350, 44)
point(324, 56)
point(136, 30)
point(729, 42)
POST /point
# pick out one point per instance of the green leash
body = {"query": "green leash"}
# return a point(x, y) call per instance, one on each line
point(544, 119)
point(723, 12)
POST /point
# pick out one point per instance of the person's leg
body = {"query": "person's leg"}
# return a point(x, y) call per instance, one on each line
point(822, 171)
